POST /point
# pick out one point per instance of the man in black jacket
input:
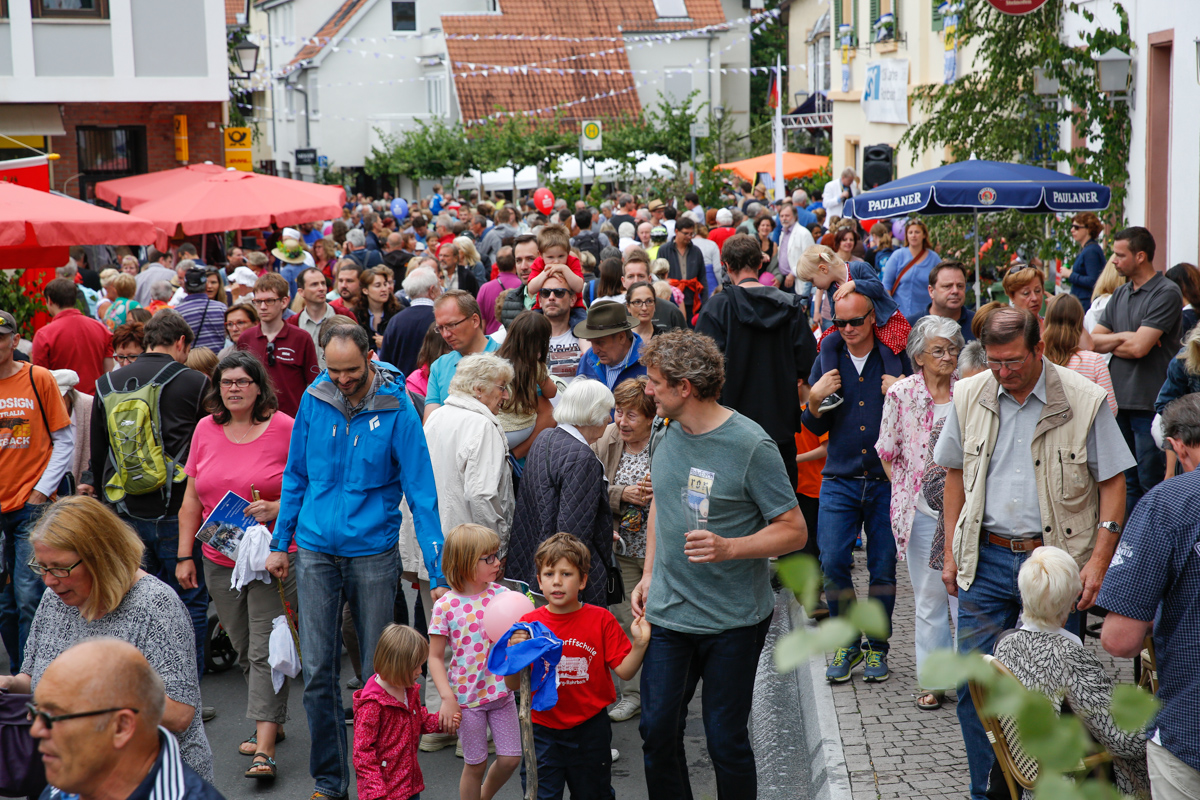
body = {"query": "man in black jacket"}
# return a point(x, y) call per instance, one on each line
point(406, 331)
point(687, 263)
point(768, 346)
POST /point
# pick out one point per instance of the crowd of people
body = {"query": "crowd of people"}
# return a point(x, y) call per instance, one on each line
point(627, 412)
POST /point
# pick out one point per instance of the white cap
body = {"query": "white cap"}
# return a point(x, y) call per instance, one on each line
point(290, 233)
point(244, 276)
point(67, 379)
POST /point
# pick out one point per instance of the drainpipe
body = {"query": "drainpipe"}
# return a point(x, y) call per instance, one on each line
point(271, 72)
point(296, 88)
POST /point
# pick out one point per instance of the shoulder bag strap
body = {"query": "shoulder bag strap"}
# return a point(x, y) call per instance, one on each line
point(903, 272)
point(37, 396)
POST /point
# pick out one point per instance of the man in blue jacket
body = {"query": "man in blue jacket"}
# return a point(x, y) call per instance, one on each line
point(357, 448)
point(615, 347)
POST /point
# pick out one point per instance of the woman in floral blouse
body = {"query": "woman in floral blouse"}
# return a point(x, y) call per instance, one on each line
point(912, 406)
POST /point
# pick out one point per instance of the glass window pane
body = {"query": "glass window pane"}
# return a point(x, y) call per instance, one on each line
point(404, 15)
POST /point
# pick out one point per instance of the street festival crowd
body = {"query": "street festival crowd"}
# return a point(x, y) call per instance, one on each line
point(627, 412)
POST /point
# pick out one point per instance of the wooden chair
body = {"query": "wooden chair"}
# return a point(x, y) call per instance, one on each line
point(1148, 679)
point(1019, 768)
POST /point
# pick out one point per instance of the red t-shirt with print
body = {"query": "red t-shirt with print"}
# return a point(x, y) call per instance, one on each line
point(593, 643)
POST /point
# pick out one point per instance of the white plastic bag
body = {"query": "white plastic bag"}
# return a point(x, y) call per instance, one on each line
point(251, 562)
point(282, 656)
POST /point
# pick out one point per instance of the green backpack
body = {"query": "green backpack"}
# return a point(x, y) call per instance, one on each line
point(135, 453)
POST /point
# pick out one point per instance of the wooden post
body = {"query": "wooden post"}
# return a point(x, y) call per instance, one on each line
point(531, 781)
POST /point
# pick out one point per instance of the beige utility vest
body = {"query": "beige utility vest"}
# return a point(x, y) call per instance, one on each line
point(1068, 496)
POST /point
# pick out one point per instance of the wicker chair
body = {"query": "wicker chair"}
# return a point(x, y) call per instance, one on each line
point(1019, 768)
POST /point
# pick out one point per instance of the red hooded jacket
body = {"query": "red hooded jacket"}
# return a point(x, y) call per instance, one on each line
point(386, 735)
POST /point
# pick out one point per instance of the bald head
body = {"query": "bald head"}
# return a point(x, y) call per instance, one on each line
point(394, 242)
point(113, 674)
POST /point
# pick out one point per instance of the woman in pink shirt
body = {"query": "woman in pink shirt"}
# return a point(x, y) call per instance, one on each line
point(1063, 327)
point(242, 448)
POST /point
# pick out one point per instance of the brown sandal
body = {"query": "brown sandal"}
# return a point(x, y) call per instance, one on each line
point(253, 742)
point(256, 770)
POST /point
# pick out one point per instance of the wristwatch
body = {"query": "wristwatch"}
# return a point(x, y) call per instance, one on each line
point(1109, 525)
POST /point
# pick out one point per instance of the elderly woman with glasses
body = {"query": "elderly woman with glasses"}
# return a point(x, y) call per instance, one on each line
point(242, 447)
point(469, 449)
point(912, 405)
point(90, 561)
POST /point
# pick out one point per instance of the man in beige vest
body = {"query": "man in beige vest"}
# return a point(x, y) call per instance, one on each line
point(1033, 456)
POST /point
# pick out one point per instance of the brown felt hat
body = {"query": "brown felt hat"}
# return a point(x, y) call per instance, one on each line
point(605, 319)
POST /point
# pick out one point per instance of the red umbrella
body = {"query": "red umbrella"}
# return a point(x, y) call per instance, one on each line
point(30, 218)
point(241, 200)
point(136, 189)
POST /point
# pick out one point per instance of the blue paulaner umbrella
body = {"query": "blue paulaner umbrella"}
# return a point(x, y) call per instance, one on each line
point(969, 187)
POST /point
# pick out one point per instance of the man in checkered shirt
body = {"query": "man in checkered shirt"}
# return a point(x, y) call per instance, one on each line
point(1153, 582)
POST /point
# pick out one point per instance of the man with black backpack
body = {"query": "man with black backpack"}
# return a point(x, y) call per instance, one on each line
point(587, 241)
point(142, 424)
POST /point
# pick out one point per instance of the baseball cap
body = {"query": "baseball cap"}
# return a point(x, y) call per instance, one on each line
point(8, 324)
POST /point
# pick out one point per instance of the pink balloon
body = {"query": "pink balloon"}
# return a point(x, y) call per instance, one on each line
point(504, 611)
point(544, 199)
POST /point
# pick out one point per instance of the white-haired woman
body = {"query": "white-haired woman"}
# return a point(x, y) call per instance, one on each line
point(1047, 658)
point(469, 450)
point(912, 405)
point(563, 488)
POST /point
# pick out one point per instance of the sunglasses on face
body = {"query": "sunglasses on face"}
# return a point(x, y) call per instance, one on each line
point(547, 293)
point(853, 323)
point(270, 354)
point(48, 719)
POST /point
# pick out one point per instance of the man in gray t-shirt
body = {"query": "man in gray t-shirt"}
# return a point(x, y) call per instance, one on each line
point(1140, 326)
point(723, 505)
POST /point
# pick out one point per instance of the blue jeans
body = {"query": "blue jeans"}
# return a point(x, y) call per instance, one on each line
point(579, 759)
point(848, 505)
point(161, 537)
point(990, 607)
point(19, 599)
point(675, 662)
point(323, 583)
point(1151, 462)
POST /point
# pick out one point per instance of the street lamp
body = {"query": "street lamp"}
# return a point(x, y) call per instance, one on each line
point(1114, 68)
point(246, 53)
point(1043, 84)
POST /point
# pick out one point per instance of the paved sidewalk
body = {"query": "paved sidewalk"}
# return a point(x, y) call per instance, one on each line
point(892, 748)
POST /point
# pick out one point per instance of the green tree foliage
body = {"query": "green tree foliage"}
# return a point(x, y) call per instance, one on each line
point(22, 306)
point(771, 42)
point(991, 112)
point(430, 150)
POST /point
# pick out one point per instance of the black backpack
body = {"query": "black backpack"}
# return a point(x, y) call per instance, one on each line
point(588, 242)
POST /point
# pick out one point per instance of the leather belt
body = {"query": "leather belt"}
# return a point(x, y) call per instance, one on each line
point(1015, 545)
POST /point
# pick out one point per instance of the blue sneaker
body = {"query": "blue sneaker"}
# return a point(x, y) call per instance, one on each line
point(844, 662)
point(876, 668)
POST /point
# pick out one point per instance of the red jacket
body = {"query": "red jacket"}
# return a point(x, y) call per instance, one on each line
point(386, 735)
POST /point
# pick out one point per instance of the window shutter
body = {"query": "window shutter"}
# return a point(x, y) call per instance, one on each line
point(874, 16)
point(938, 22)
point(857, 38)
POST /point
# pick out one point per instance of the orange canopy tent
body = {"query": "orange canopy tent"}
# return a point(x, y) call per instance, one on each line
point(795, 165)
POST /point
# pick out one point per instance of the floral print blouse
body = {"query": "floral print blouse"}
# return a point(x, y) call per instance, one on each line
point(904, 441)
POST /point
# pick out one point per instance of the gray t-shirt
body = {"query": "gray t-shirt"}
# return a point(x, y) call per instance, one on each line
point(152, 618)
point(1157, 304)
point(737, 468)
point(1012, 508)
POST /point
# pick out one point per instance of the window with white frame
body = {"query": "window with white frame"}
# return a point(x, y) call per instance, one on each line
point(435, 94)
point(670, 8)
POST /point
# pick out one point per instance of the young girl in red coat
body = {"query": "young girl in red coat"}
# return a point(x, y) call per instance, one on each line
point(389, 719)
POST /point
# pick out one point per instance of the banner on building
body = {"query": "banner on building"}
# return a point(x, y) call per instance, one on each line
point(181, 142)
point(32, 173)
point(885, 97)
point(237, 149)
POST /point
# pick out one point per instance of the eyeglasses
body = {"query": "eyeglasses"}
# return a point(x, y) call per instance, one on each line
point(120, 359)
point(491, 559)
point(853, 323)
point(444, 329)
point(270, 354)
point(48, 720)
point(241, 383)
point(641, 303)
point(942, 352)
point(559, 293)
point(1010, 365)
point(266, 301)
point(57, 572)
point(502, 388)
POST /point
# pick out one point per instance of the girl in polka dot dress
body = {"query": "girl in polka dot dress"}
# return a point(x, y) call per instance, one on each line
point(471, 564)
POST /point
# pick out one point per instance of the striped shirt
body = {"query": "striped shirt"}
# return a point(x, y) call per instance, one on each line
point(206, 319)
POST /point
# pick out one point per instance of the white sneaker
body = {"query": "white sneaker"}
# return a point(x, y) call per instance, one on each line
point(615, 755)
point(624, 710)
point(432, 742)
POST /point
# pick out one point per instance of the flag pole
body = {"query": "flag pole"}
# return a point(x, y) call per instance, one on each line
point(780, 189)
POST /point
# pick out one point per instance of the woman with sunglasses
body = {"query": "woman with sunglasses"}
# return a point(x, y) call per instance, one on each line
point(91, 561)
point(241, 448)
point(1085, 227)
point(911, 407)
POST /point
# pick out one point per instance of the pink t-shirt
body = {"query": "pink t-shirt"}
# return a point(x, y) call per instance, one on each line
point(459, 618)
point(220, 465)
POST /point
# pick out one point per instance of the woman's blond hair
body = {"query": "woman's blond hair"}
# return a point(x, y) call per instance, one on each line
point(400, 652)
point(1108, 281)
point(109, 549)
point(465, 545)
point(812, 259)
point(1191, 351)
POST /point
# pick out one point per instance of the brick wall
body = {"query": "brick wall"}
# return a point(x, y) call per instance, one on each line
point(204, 143)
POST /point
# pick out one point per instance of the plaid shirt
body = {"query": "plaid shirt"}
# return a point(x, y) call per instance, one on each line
point(1155, 575)
point(380, 377)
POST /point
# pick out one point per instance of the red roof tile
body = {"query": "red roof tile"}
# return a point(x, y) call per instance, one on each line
point(481, 95)
point(330, 29)
point(233, 8)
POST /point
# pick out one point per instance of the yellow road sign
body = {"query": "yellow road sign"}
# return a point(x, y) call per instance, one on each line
point(592, 130)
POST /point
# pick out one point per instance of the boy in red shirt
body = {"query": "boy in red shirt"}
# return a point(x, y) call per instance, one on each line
point(554, 244)
point(574, 739)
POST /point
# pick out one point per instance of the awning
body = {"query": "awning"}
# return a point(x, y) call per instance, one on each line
point(31, 119)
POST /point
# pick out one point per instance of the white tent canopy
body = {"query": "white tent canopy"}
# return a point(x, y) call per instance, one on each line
point(653, 166)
